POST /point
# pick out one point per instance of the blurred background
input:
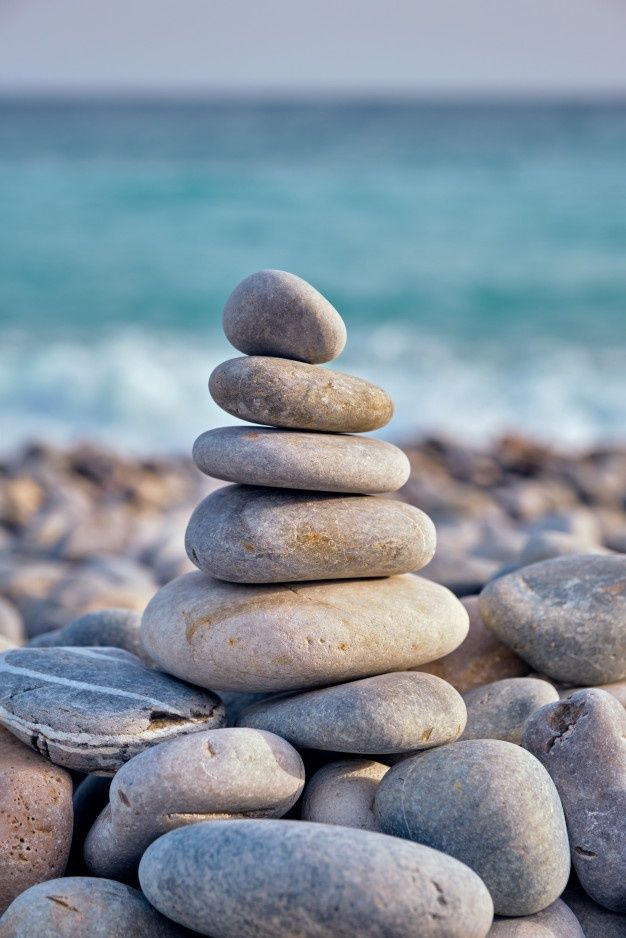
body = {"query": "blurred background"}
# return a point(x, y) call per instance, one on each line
point(451, 175)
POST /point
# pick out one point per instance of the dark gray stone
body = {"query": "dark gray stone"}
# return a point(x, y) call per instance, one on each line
point(82, 907)
point(92, 709)
point(278, 879)
point(580, 741)
point(246, 534)
point(500, 710)
point(596, 921)
point(297, 396)
point(291, 459)
point(396, 712)
point(273, 312)
point(108, 628)
point(580, 603)
point(491, 805)
point(212, 776)
point(557, 921)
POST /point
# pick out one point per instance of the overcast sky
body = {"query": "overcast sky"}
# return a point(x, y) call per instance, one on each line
point(287, 46)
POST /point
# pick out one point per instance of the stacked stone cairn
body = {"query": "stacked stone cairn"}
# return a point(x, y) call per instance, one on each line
point(307, 632)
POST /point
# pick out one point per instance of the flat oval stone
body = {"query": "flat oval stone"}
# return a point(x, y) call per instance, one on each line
point(579, 601)
point(35, 818)
point(110, 628)
point(580, 741)
point(92, 709)
point(211, 776)
point(491, 805)
point(387, 713)
point(247, 534)
point(320, 462)
point(273, 312)
point(85, 906)
point(291, 394)
point(500, 710)
point(277, 879)
point(343, 793)
point(480, 659)
point(287, 637)
point(557, 921)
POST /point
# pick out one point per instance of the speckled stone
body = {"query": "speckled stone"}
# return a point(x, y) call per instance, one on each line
point(320, 462)
point(92, 709)
point(491, 805)
point(212, 776)
point(396, 712)
point(480, 659)
point(278, 879)
point(580, 602)
point(273, 312)
point(500, 710)
point(110, 628)
point(580, 741)
point(343, 793)
point(247, 534)
point(289, 637)
point(82, 907)
point(596, 921)
point(35, 818)
point(557, 921)
point(297, 396)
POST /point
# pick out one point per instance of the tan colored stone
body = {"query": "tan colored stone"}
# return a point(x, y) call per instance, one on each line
point(343, 793)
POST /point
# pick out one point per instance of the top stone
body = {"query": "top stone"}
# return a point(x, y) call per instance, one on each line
point(276, 313)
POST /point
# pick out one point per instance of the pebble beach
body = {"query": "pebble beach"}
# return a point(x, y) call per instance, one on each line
point(310, 682)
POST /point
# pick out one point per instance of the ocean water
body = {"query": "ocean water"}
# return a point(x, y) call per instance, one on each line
point(476, 252)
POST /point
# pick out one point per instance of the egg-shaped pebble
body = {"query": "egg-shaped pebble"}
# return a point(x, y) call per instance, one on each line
point(295, 395)
point(247, 534)
point(343, 793)
point(499, 710)
point(294, 636)
point(273, 312)
point(278, 879)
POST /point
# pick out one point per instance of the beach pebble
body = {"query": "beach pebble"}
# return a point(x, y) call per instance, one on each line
point(35, 818)
point(290, 637)
point(85, 907)
point(500, 710)
point(273, 312)
point(90, 798)
point(321, 462)
point(217, 775)
point(245, 534)
point(396, 712)
point(11, 622)
point(278, 879)
point(297, 396)
point(580, 603)
point(110, 628)
point(580, 741)
point(343, 793)
point(480, 659)
point(491, 805)
point(596, 921)
point(92, 709)
point(557, 921)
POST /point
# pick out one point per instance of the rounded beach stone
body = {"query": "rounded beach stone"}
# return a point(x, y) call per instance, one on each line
point(320, 462)
point(580, 741)
point(343, 793)
point(85, 906)
point(297, 396)
point(35, 818)
point(273, 312)
point(289, 637)
point(92, 709)
point(247, 534)
point(11, 622)
point(579, 601)
point(110, 628)
point(617, 690)
point(491, 805)
point(396, 712)
point(500, 710)
point(480, 659)
point(212, 776)
point(596, 921)
point(557, 921)
point(277, 879)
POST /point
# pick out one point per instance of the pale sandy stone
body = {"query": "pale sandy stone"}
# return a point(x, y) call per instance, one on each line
point(343, 793)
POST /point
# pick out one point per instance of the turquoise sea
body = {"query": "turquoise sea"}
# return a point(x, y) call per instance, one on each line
point(476, 251)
